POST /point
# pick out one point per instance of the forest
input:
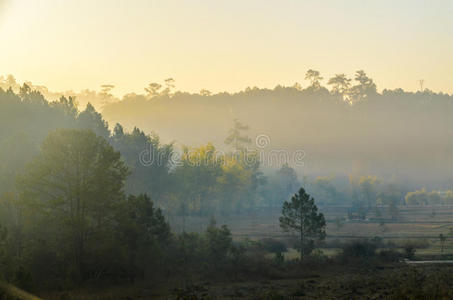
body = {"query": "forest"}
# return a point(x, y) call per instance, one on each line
point(99, 199)
point(204, 150)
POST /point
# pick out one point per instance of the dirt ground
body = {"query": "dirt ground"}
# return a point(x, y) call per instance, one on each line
point(383, 281)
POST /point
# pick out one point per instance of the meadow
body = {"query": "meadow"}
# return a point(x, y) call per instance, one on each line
point(420, 225)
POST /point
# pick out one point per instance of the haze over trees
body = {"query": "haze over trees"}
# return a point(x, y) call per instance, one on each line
point(394, 132)
point(84, 201)
point(319, 108)
point(202, 176)
point(304, 109)
point(352, 112)
point(74, 185)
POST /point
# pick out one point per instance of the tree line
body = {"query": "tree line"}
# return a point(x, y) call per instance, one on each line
point(203, 179)
point(199, 182)
point(322, 119)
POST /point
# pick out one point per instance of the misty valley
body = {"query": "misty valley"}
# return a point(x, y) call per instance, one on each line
point(322, 192)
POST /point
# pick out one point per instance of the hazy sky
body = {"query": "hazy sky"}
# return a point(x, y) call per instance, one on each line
point(225, 45)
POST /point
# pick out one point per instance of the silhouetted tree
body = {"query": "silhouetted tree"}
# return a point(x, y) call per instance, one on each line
point(169, 86)
point(91, 119)
point(301, 215)
point(144, 231)
point(147, 158)
point(205, 93)
point(314, 77)
point(340, 84)
point(236, 138)
point(219, 242)
point(75, 183)
point(442, 239)
point(365, 87)
point(153, 89)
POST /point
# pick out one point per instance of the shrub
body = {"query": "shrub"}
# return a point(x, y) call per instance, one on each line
point(409, 251)
point(218, 242)
point(389, 255)
point(363, 248)
point(411, 246)
point(359, 249)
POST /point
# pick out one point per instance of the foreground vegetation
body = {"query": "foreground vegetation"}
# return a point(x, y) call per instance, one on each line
point(358, 272)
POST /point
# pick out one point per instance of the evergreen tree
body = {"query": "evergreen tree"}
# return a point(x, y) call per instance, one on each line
point(301, 215)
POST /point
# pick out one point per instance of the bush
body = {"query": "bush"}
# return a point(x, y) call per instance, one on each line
point(359, 249)
point(363, 248)
point(411, 246)
point(279, 258)
point(389, 255)
point(409, 251)
point(219, 242)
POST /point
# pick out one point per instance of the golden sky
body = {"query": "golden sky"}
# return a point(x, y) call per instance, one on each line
point(224, 44)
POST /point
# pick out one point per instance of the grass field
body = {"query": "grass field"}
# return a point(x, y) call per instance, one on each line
point(414, 223)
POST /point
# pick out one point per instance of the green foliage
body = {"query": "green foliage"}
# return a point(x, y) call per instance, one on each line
point(143, 233)
point(91, 119)
point(208, 251)
point(218, 242)
point(209, 181)
point(147, 158)
point(68, 220)
point(423, 197)
point(73, 186)
point(301, 216)
point(390, 255)
point(409, 250)
point(27, 118)
point(362, 249)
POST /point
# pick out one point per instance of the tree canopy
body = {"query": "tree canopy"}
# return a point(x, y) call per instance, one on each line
point(76, 182)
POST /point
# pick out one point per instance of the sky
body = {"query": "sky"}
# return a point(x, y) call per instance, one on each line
point(224, 45)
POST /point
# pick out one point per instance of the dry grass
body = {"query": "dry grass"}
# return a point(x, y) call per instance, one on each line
point(415, 222)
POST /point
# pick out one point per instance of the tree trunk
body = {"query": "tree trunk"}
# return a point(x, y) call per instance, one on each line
point(302, 250)
point(302, 229)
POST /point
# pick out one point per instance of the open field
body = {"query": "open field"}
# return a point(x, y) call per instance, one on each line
point(415, 223)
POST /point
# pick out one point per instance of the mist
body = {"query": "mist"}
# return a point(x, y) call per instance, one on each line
point(191, 150)
point(396, 133)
